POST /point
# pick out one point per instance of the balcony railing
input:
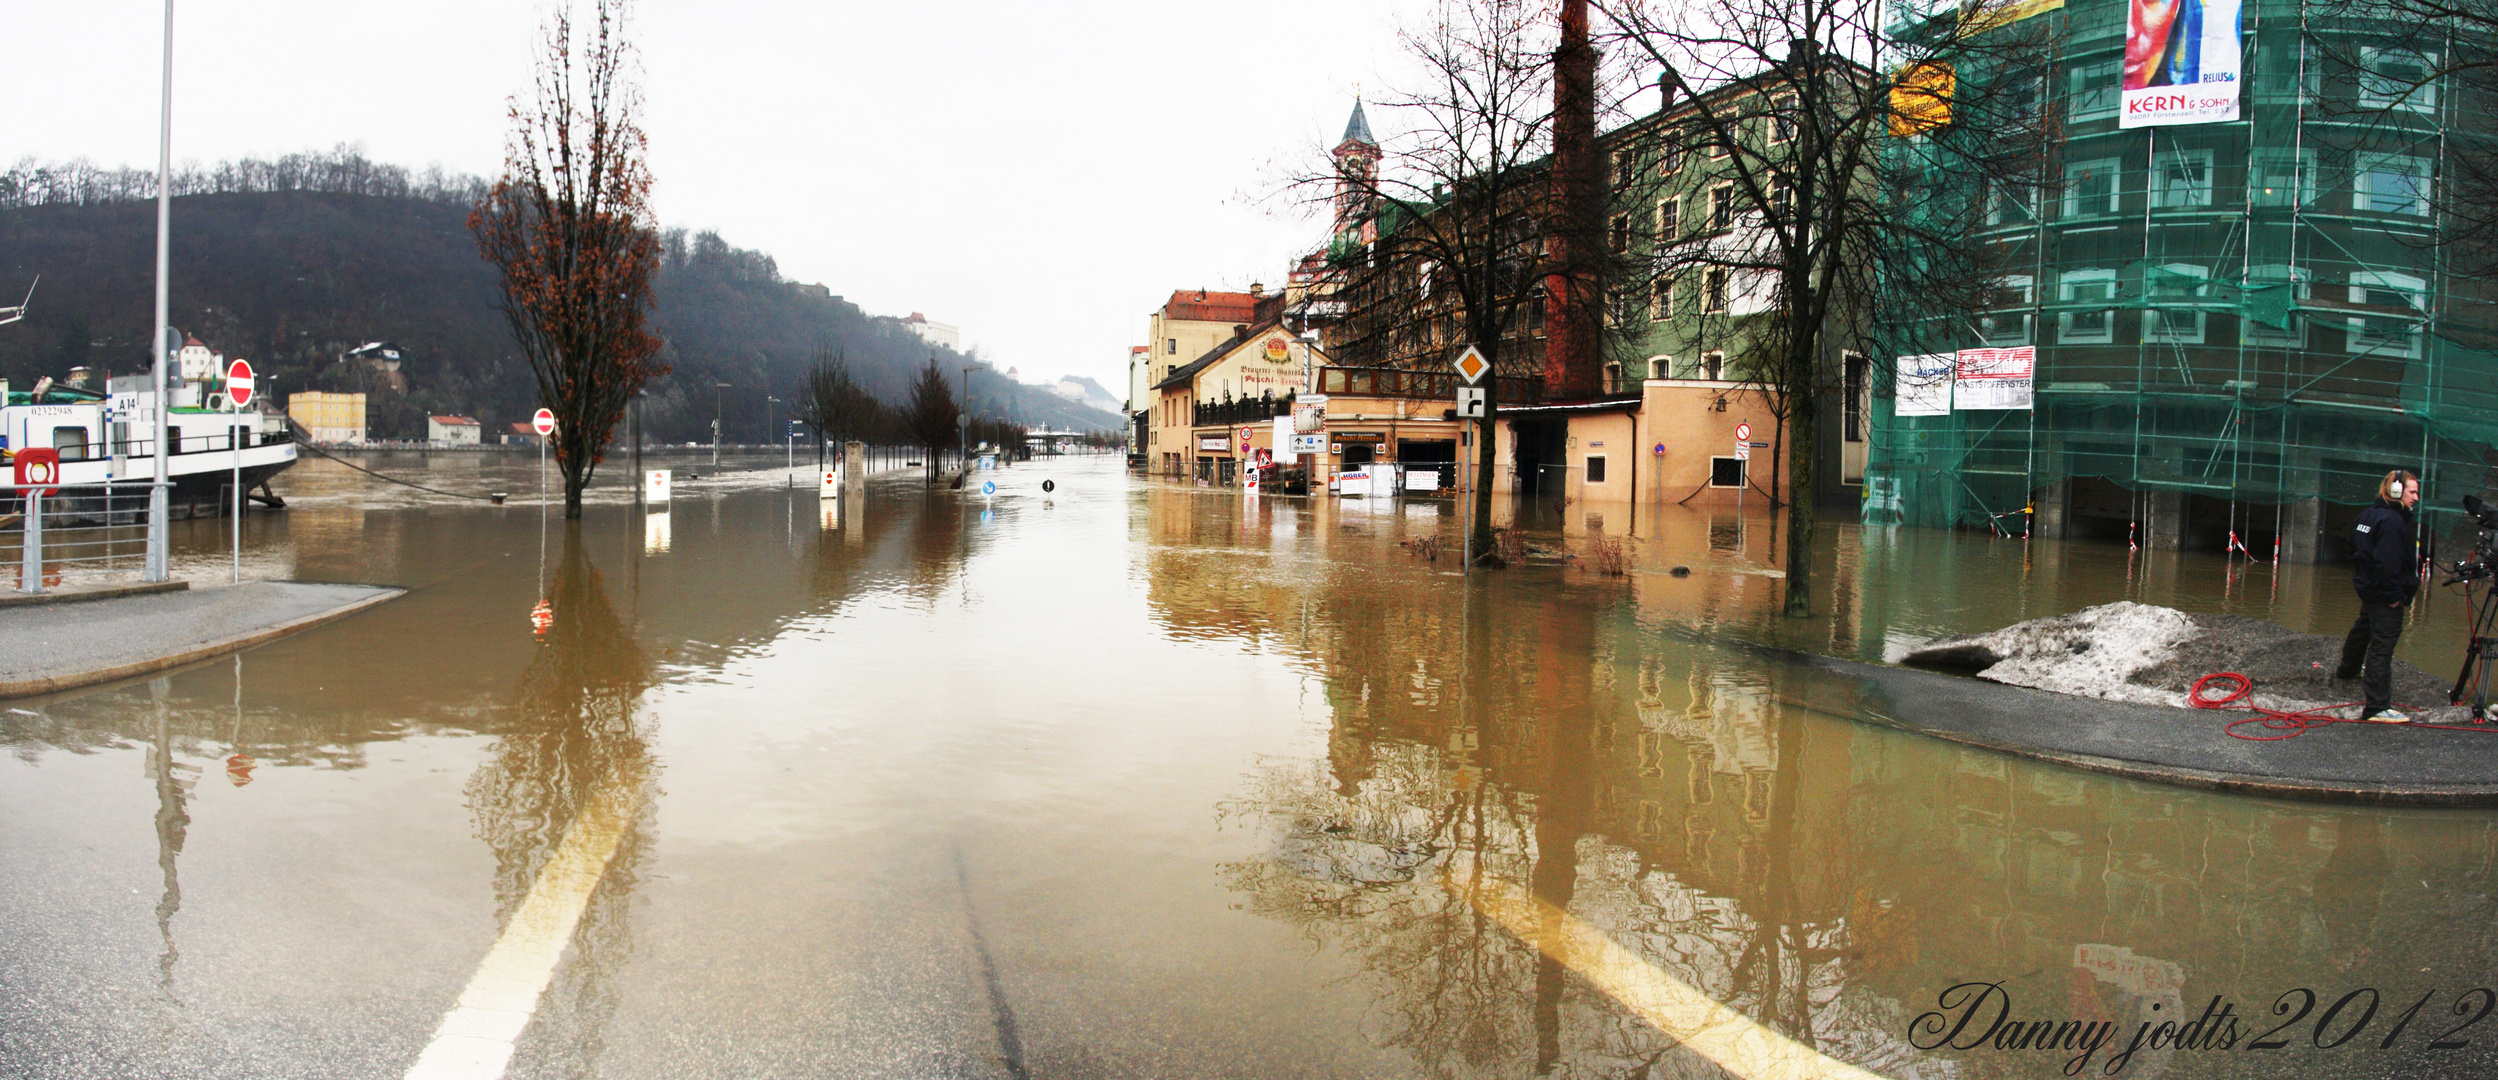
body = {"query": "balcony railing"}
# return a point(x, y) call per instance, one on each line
point(1243, 410)
point(1408, 383)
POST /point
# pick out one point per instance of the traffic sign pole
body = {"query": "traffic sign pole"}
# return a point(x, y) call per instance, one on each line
point(239, 386)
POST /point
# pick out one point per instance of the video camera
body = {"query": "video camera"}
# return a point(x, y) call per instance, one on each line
point(2478, 566)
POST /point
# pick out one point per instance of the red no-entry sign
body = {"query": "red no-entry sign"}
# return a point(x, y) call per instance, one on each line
point(239, 383)
point(544, 422)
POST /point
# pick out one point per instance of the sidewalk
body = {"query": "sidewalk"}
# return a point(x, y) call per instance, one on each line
point(2382, 764)
point(52, 647)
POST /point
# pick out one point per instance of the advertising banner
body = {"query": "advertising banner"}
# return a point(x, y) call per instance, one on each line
point(1995, 378)
point(2181, 62)
point(1924, 387)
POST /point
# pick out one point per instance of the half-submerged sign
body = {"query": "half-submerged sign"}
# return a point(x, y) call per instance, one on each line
point(2181, 63)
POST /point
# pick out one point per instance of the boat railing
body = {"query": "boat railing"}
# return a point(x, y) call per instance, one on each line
point(73, 533)
point(217, 442)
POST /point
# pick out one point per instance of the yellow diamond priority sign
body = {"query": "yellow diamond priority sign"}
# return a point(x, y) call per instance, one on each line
point(1471, 365)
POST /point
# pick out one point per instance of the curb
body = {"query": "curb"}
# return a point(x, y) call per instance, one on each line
point(71, 594)
point(50, 683)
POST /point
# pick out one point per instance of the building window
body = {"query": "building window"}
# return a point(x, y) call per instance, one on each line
point(1171, 346)
point(2173, 289)
point(1781, 119)
point(2094, 90)
point(2009, 203)
point(1713, 300)
point(1670, 155)
point(2182, 179)
point(2397, 79)
point(1725, 472)
point(1717, 148)
point(2292, 290)
point(2391, 184)
point(1781, 195)
point(1613, 377)
point(1660, 300)
point(1722, 206)
point(1624, 167)
point(1660, 367)
point(2283, 177)
point(1669, 220)
point(2092, 324)
point(1713, 366)
point(1852, 410)
point(1596, 468)
point(2394, 329)
point(2285, 76)
point(1535, 312)
point(1618, 237)
point(2009, 323)
point(2090, 188)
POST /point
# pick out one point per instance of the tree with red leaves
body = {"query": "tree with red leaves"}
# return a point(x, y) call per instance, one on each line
point(567, 224)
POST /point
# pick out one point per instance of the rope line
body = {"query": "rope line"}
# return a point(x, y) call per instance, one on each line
point(392, 479)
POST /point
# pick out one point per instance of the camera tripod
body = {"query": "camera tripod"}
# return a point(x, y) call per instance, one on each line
point(2481, 655)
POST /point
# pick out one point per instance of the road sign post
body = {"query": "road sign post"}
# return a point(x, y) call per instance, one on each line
point(544, 424)
point(1474, 402)
point(239, 387)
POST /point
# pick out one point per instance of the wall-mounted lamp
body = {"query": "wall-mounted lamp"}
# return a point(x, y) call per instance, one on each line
point(1721, 404)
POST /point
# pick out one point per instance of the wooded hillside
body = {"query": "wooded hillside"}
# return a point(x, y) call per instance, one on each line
point(292, 279)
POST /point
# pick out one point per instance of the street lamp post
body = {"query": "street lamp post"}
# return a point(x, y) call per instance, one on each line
point(717, 411)
point(771, 416)
point(962, 424)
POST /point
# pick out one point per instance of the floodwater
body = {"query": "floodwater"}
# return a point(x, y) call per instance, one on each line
point(1144, 779)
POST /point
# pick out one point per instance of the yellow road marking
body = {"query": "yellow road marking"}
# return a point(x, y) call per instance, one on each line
point(1736, 1042)
point(476, 1038)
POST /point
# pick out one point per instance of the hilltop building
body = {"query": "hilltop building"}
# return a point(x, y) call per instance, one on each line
point(942, 335)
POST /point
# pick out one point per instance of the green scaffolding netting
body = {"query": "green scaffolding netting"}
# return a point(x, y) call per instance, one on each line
point(2257, 314)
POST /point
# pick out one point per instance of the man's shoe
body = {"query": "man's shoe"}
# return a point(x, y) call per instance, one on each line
point(2389, 716)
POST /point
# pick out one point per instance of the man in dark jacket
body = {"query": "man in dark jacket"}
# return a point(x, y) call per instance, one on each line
point(2387, 573)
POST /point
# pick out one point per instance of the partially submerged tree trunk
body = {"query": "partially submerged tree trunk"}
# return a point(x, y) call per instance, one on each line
point(567, 227)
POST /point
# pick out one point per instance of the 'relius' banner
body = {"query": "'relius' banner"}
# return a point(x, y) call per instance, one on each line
point(2181, 62)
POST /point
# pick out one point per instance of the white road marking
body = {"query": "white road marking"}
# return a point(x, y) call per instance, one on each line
point(476, 1037)
point(1736, 1042)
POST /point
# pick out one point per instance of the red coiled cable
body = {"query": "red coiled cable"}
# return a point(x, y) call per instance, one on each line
point(2287, 725)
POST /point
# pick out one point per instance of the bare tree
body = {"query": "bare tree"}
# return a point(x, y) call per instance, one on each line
point(1849, 158)
point(1440, 241)
point(834, 404)
point(932, 417)
point(567, 225)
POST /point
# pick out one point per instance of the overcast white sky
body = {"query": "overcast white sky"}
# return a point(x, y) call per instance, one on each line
point(1040, 175)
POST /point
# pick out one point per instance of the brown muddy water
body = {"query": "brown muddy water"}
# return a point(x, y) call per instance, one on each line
point(1142, 779)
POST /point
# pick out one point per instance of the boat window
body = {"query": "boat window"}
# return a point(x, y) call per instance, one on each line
point(71, 442)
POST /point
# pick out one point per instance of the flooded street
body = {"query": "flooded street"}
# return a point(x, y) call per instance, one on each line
point(1138, 779)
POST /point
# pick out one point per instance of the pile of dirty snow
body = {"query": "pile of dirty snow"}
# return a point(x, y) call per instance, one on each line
point(2152, 655)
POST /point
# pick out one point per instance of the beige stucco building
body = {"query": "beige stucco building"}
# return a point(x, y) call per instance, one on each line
point(328, 417)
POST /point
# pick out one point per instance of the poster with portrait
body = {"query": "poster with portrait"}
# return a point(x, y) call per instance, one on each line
point(2181, 62)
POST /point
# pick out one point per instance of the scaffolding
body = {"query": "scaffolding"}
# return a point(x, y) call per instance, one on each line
point(2240, 326)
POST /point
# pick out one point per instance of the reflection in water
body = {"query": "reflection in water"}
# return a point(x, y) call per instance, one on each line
point(1707, 809)
point(575, 739)
point(174, 780)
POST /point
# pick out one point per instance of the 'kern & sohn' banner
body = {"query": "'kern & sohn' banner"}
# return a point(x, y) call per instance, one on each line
point(2181, 62)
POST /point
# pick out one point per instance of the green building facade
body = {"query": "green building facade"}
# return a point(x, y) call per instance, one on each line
point(2239, 326)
